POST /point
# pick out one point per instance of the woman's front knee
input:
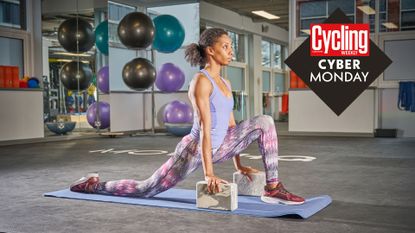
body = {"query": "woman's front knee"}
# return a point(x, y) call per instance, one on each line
point(264, 121)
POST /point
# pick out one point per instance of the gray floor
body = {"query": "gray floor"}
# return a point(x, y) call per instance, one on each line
point(371, 181)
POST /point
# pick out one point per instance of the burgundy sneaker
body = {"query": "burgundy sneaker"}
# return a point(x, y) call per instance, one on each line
point(280, 195)
point(86, 184)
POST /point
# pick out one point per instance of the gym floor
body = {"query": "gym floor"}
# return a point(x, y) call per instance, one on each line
point(371, 181)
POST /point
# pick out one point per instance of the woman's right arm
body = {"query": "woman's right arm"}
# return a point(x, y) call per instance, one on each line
point(203, 88)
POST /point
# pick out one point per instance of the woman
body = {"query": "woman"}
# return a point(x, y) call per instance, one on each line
point(214, 137)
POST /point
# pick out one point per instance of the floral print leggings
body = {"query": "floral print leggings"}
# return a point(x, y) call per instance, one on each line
point(187, 158)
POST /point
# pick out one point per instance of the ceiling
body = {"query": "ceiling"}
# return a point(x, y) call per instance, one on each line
point(244, 7)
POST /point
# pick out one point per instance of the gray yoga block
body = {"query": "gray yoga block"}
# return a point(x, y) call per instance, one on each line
point(250, 188)
point(225, 200)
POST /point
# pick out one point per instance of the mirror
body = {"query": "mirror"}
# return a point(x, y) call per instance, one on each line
point(75, 55)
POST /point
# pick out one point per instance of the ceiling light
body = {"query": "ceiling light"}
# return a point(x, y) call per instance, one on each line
point(72, 54)
point(64, 60)
point(265, 14)
point(367, 9)
point(390, 25)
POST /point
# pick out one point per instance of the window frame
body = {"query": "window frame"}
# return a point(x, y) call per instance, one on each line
point(27, 48)
point(298, 31)
point(22, 16)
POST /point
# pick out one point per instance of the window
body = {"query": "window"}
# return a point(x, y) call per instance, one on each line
point(266, 53)
point(266, 81)
point(318, 11)
point(12, 14)
point(12, 53)
point(237, 77)
point(407, 15)
point(237, 46)
point(276, 55)
point(279, 83)
point(273, 76)
point(271, 54)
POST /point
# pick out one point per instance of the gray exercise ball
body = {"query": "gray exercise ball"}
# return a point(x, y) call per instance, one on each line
point(69, 75)
point(136, 30)
point(139, 74)
point(68, 35)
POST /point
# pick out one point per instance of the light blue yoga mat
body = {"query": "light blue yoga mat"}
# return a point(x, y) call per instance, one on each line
point(186, 199)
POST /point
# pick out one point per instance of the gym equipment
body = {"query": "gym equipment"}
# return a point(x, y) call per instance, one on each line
point(104, 115)
point(91, 89)
point(186, 199)
point(33, 82)
point(227, 199)
point(68, 35)
point(23, 83)
point(103, 79)
point(90, 100)
point(70, 100)
point(179, 130)
point(170, 78)
point(178, 112)
point(60, 128)
point(247, 187)
point(136, 30)
point(406, 98)
point(139, 74)
point(101, 37)
point(169, 35)
point(70, 76)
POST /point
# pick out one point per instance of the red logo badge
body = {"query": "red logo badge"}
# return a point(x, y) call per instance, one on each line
point(339, 40)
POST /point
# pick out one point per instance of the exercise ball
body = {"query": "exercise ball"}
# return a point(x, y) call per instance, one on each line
point(33, 82)
point(104, 115)
point(139, 74)
point(178, 112)
point(70, 76)
point(68, 35)
point(101, 37)
point(61, 128)
point(136, 30)
point(169, 35)
point(170, 78)
point(179, 129)
point(103, 80)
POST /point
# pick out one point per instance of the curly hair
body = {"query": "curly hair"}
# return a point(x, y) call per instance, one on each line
point(195, 53)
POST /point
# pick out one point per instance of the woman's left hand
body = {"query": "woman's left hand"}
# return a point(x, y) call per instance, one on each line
point(247, 171)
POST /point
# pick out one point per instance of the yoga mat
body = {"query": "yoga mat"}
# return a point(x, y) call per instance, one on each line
point(186, 199)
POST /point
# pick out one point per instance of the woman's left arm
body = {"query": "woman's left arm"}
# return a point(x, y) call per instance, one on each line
point(236, 158)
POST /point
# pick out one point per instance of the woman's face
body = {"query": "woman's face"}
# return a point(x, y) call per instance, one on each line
point(222, 51)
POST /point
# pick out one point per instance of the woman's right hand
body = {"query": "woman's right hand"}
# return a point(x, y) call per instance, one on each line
point(213, 183)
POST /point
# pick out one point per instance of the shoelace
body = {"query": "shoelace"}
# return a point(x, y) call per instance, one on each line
point(281, 189)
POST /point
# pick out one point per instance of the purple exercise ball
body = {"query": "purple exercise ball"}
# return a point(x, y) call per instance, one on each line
point(170, 78)
point(103, 79)
point(178, 112)
point(104, 113)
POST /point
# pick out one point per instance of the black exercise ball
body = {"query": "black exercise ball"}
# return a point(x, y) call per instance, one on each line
point(139, 74)
point(136, 30)
point(67, 35)
point(69, 76)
